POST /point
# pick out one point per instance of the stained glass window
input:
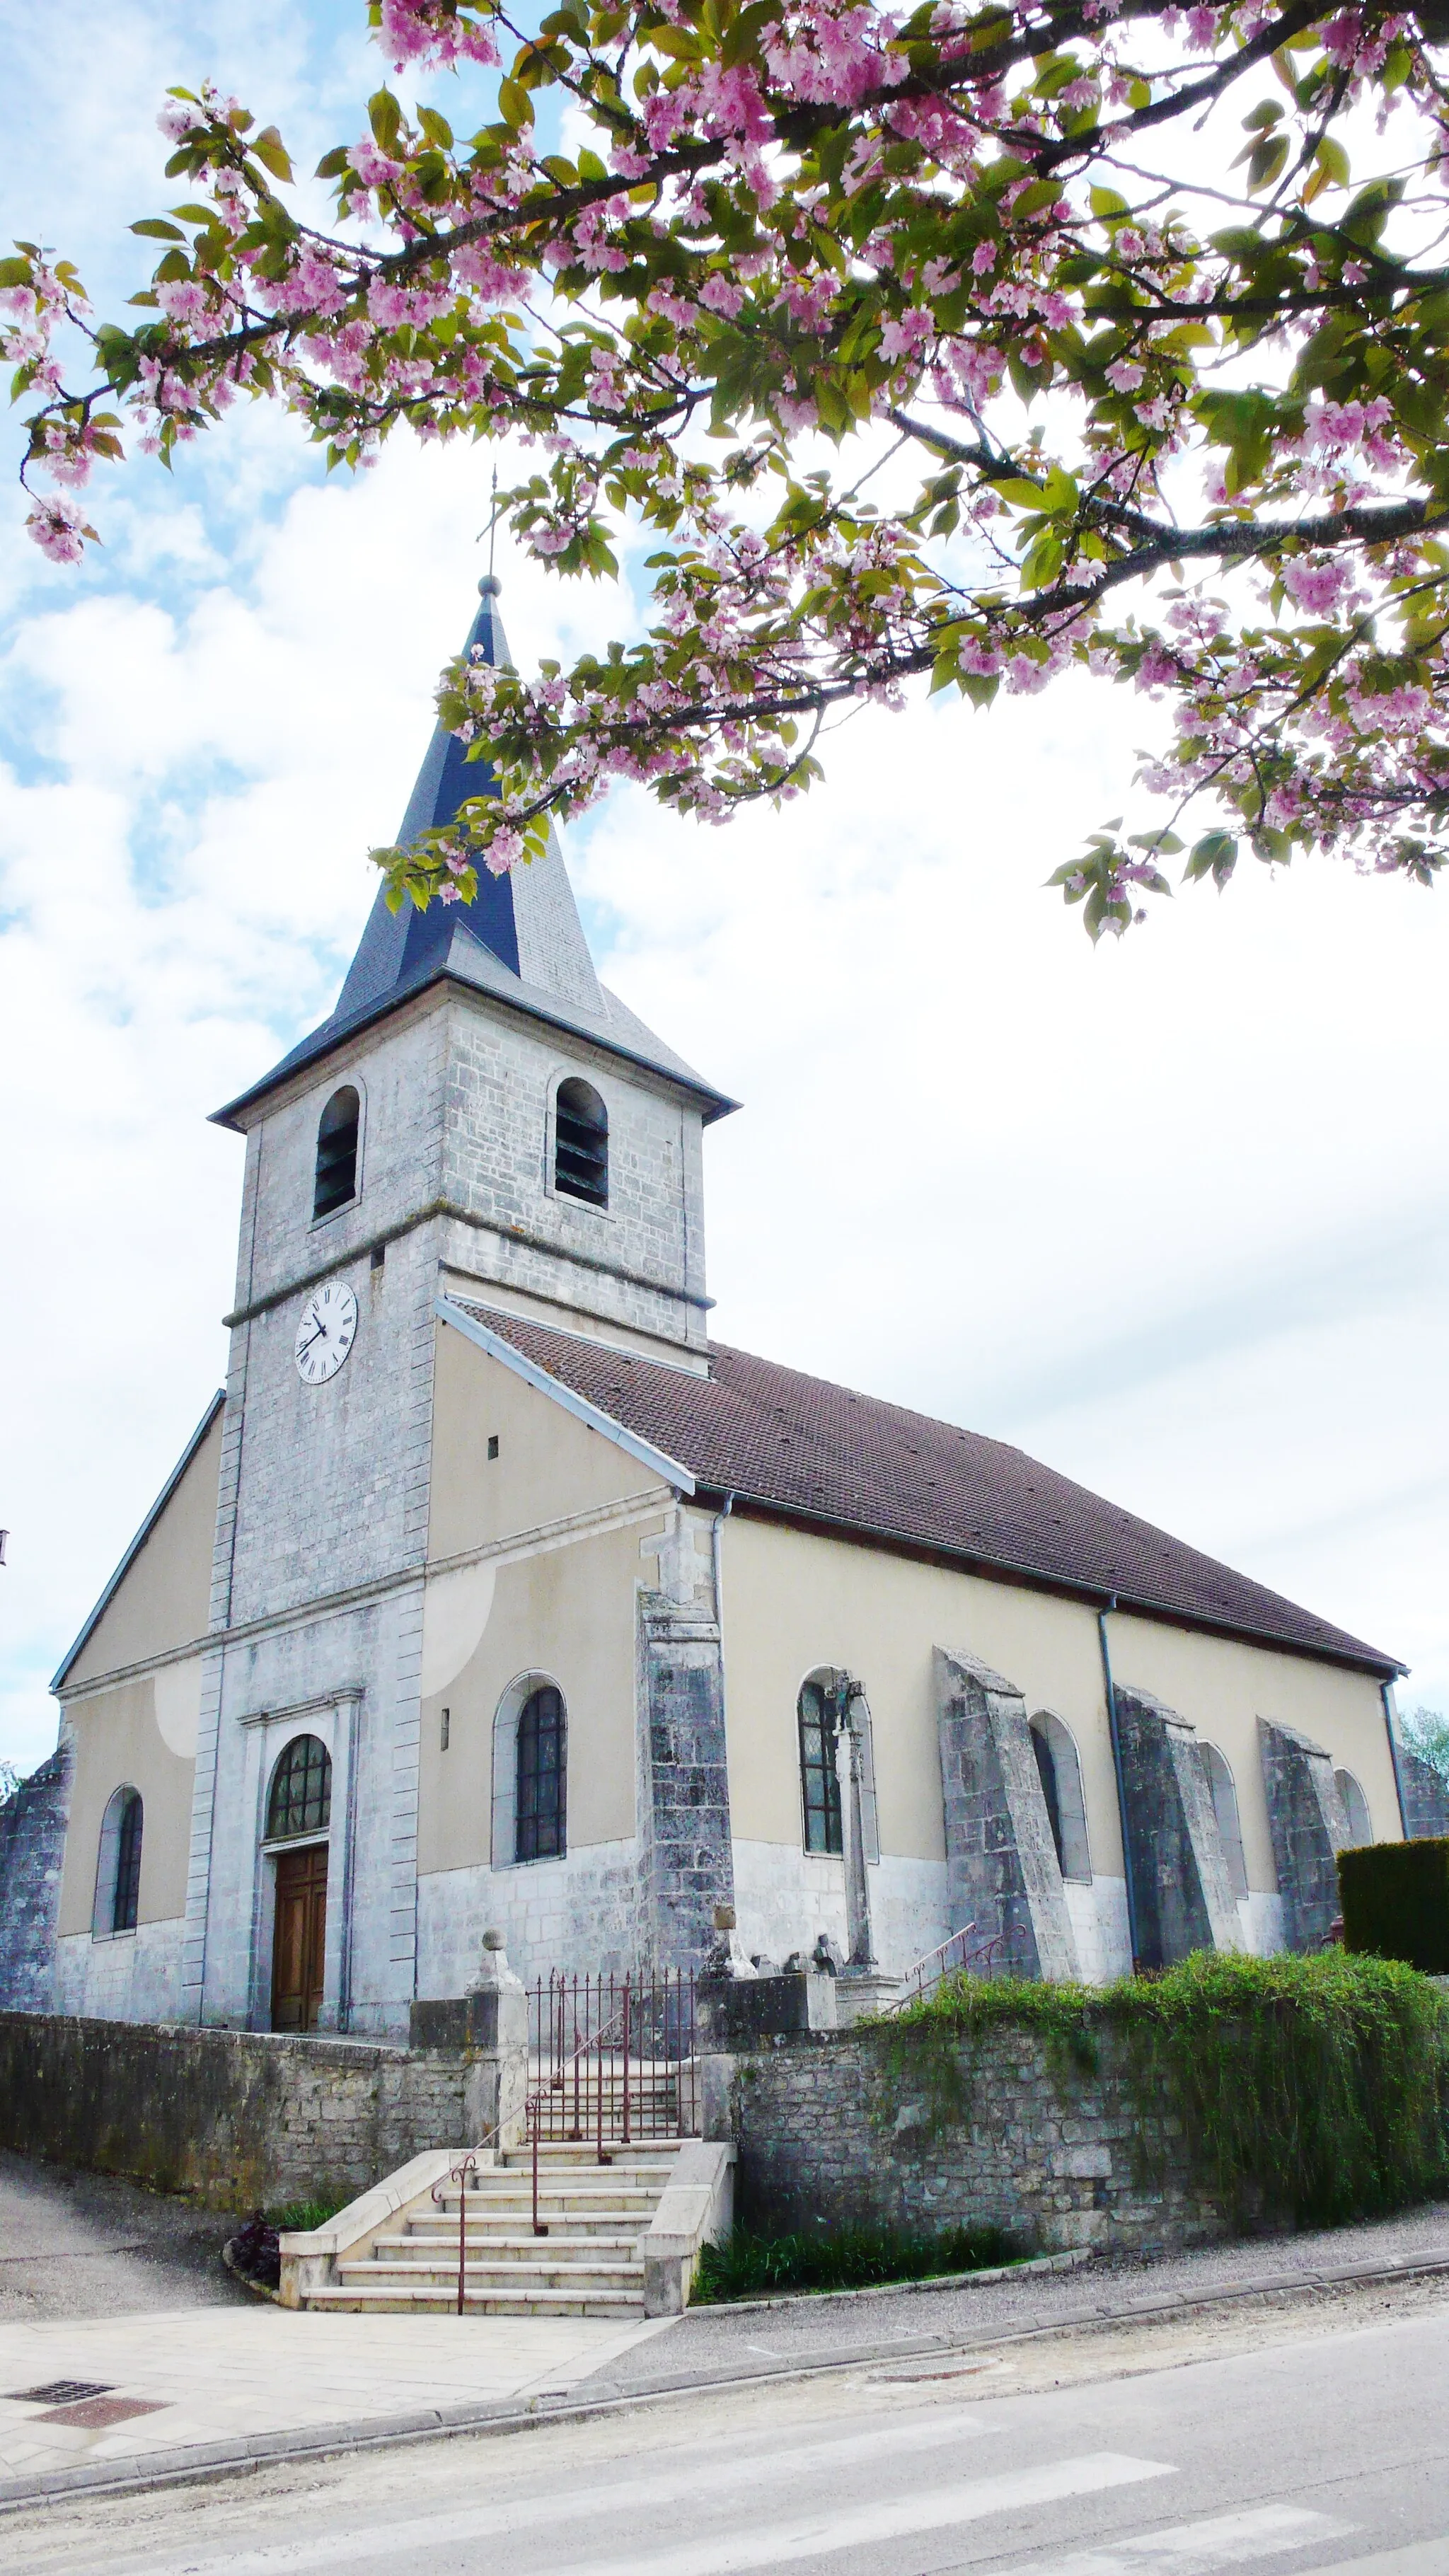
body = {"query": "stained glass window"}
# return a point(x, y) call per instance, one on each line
point(301, 1800)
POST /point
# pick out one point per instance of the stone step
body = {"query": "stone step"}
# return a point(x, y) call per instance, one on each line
point(400, 2300)
point(592, 2235)
point(584, 2279)
point(560, 2196)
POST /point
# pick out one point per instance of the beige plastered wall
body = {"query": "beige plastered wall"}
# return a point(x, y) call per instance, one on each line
point(550, 1534)
point(164, 1598)
point(119, 1743)
point(793, 1601)
point(1223, 1687)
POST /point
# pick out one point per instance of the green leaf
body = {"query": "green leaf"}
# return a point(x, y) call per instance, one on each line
point(156, 228)
point(14, 272)
point(436, 128)
point(271, 152)
point(333, 163)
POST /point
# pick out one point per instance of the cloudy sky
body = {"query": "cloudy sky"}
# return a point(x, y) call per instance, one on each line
point(1170, 1216)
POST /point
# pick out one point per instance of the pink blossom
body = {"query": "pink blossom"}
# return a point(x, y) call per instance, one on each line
point(1124, 375)
point(58, 527)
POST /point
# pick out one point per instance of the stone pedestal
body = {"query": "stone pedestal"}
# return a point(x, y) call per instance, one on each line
point(489, 2026)
point(857, 1995)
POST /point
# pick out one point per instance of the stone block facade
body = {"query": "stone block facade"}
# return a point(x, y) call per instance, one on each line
point(1002, 1871)
point(1184, 1894)
point(1426, 1798)
point(885, 2128)
point(32, 1852)
point(236, 2119)
point(1305, 1813)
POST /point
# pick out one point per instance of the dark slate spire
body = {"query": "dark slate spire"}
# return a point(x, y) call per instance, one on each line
point(520, 938)
point(400, 947)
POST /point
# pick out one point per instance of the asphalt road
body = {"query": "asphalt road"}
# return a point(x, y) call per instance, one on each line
point(90, 2245)
point(1302, 2454)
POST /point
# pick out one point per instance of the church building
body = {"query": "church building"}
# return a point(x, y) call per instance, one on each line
point(492, 1593)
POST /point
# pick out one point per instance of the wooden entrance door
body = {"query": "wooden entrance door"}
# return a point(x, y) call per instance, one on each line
point(300, 1938)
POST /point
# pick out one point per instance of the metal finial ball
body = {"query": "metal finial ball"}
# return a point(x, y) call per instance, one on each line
point(490, 586)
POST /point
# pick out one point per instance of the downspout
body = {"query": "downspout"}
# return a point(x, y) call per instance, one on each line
point(1115, 1732)
point(1386, 1694)
point(716, 1526)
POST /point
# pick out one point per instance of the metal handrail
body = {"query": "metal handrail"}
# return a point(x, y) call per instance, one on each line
point(925, 1974)
point(532, 2104)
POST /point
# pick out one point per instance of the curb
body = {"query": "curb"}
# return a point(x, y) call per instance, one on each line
point(198, 2462)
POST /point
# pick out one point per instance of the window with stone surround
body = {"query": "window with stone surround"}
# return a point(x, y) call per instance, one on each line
point(118, 1865)
point(1225, 1808)
point(541, 1777)
point(1060, 1771)
point(581, 1143)
point(819, 1770)
point(335, 1179)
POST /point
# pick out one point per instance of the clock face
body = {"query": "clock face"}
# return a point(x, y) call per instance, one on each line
point(326, 1333)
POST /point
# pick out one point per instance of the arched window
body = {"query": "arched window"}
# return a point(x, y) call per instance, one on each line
point(1225, 1808)
point(541, 1792)
point(336, 1180)
point(118, 1865)
point(1060, 1772)
point(819, 1771)
point(301, 1799)
point(1355, 1808)
point(581, 1143)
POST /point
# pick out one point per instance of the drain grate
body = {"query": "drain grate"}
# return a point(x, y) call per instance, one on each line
point(97, 2414)
point(59, 2392)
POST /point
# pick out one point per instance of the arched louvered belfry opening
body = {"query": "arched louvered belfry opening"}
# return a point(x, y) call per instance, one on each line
point(118, 1864)
point(335, 1181)
point(581, 1143)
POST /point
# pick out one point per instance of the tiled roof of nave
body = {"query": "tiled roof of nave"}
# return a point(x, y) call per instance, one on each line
point(812, 1451)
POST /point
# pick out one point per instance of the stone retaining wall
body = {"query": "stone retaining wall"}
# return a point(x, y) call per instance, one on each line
point(238, 2119)
point(926, 2131)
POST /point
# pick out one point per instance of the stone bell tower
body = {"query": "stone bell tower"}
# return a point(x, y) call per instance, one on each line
point(480, 1116)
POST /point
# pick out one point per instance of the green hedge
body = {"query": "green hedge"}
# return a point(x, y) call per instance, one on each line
point(1395, 1902)
point(1313, 2089)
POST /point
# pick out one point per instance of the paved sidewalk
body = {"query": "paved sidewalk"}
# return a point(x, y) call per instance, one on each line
point(200, 2378)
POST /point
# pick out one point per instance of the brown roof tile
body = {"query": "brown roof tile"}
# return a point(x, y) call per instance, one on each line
point(811, 1451)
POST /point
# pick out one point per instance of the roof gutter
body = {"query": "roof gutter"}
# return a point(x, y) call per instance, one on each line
point(1119, 1770)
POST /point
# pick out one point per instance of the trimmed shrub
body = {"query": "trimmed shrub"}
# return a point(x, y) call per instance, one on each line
point(1312, 2089)
point(1395, 1903)
point(746, 2266)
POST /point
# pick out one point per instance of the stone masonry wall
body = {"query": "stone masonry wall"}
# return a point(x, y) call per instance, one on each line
point(32, 1849)
point(238, 2119)
point(881, 2127)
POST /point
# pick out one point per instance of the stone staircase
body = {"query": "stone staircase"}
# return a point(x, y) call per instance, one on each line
point(590, 2264)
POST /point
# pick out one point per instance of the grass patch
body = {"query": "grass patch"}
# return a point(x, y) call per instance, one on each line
point(298, 2216)
point(1314, 2088)
point(746, 2266)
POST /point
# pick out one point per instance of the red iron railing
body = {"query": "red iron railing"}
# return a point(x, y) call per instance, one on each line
point(963, 1952)
point(609, 2057)
point(613, 2057)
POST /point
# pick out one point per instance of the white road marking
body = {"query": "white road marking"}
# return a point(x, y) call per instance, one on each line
point(872, 2525)
point(731, 2474)
point(1202, 2548)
